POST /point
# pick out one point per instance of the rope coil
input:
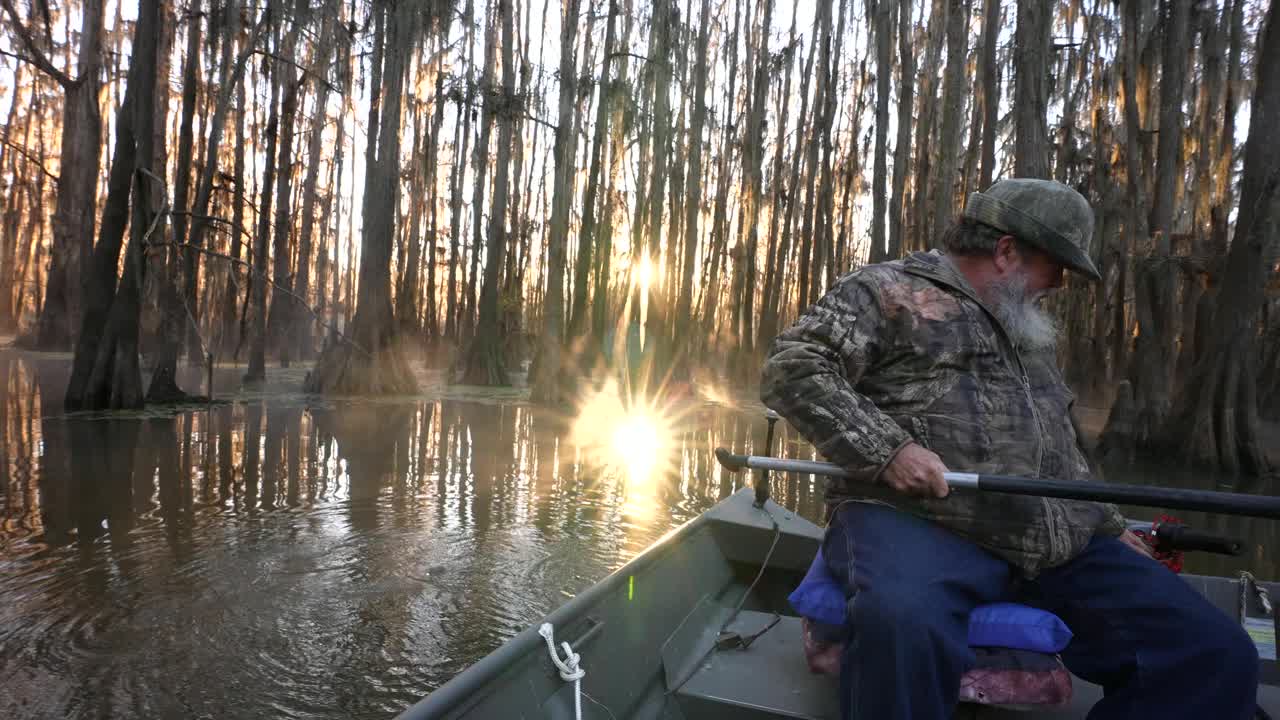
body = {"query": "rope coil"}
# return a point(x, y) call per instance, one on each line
point(569, 670)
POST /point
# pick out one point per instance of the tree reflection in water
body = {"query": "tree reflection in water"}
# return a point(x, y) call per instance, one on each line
point(285, 555)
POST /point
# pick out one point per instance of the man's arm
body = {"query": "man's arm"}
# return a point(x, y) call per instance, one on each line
point(810, 373)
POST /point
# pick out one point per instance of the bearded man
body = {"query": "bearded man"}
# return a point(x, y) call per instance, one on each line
point(940, 361)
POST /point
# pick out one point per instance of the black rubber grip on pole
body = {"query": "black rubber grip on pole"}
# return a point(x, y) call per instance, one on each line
point(1181, 537)
point(1202, 500)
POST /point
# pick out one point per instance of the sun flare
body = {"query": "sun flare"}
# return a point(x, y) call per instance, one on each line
point(628, 437)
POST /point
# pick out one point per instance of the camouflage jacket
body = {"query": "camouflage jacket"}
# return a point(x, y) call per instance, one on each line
point(905, 351)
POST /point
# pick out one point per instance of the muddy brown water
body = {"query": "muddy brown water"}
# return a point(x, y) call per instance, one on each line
point(283, 555)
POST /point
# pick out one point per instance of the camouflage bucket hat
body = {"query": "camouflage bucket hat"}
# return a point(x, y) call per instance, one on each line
point(1042, 213)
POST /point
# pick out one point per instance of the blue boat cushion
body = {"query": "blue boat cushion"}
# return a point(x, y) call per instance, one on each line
point(1018, 627)
point(820, 598)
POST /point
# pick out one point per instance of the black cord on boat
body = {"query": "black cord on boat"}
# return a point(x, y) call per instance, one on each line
point(777, 534)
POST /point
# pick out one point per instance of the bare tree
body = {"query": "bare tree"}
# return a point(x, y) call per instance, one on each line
point(105, 371)
point(1031, 89)
point(80, 153)
point(485, 364)
point(547, 369)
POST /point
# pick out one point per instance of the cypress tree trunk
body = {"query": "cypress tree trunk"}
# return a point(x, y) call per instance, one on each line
point(1152, 373)
point(724, 178)
point(453, 313)
point(278, 318)
point(480, 164)
point(777, 252)
point(604, 253)
point(821, 125)
point(257, 369)
point(230, 328)
point(105, 372)
point(923, 232)
point(578, 321)
point(164, 384)
point(989, 90)
point(301, 317)
point(663, 29)
point(1215, 419)
point(682, 337)
point(546, 380)
point(1031, 89)
point(485, 364)
point(902, 147)
point(372, 362)
point(953, 92)
point(80, 144)
point(884, 70)
point(430, 313)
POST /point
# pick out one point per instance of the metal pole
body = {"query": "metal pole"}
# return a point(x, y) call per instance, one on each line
point(1204, 500)
point(762, 475)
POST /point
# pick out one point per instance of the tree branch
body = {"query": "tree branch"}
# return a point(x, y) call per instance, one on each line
point(38, 59)
point(305, 71)
point(34, 160)
point(279, 288)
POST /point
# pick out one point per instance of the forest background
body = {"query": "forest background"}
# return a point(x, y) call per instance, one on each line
point(612, 188)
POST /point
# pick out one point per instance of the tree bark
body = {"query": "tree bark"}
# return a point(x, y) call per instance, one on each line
point(578, 320)
point(953, 92)
point(775, 257)
point(683, 337)
point(301, 321)
point(923, 232)
point(371, 362)
point(884, 70)
point(1215, 419)
point(989, 90)
point(480, 165)
point(257, 369)
point(73, 221)
point(902, 146)
point(453, 311)
point(173, 315)
point(821, 126)
point(1031, 89)
point(230, 328)
point(547, 372)
point(105, 371)
point(278, 328)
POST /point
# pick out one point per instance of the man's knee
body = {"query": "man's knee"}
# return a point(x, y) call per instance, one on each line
point(1231, 653)
point(1220, 650)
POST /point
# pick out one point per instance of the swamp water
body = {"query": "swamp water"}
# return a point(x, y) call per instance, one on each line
point(284, 555)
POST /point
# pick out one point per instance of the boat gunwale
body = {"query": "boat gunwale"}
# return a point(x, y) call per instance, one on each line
point(463, 688)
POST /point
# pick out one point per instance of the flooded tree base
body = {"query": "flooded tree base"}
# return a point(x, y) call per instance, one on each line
point(1217, 426)
point(344, 369)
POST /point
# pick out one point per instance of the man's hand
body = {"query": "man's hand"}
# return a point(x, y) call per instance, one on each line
point(1133, 541)
point(917, 471)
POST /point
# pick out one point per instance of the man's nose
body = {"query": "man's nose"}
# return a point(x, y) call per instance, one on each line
point(1058, 277)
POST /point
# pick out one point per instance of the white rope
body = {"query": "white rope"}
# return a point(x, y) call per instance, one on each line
point(569, 670)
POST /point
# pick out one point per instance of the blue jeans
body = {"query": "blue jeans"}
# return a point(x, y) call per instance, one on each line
point(1157, 647)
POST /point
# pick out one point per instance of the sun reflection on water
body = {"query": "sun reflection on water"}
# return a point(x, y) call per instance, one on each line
point(628, 439)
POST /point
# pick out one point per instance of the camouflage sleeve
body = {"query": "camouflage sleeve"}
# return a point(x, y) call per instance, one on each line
point(812, 369)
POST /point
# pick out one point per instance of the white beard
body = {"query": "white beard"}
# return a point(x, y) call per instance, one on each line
point(1030, 326)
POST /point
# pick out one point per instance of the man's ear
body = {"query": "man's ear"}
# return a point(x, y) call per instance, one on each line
point(1006, 256)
